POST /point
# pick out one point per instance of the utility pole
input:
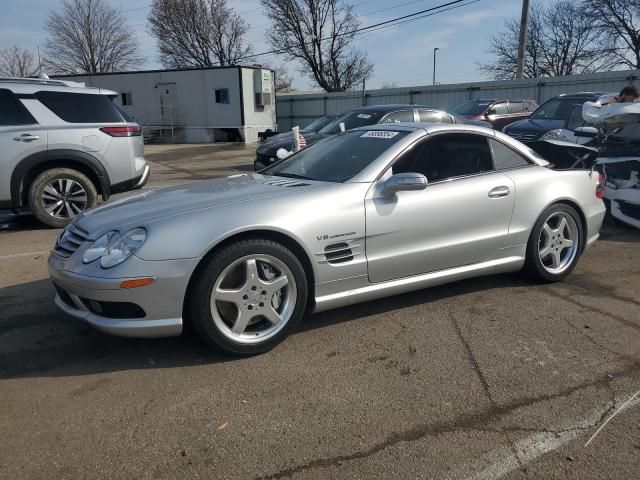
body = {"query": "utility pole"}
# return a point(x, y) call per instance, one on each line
point(364, 92)
point(434, 64)
point(522, 44)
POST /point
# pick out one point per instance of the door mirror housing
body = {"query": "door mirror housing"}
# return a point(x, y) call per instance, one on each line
point(491, 111)
point(588, 132)
point(404, 182)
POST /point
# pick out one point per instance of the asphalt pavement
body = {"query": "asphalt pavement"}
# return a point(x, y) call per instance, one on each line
point(496, 377)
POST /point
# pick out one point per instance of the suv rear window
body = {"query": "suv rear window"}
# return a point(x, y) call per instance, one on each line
point(12, 111)
point(81, 107)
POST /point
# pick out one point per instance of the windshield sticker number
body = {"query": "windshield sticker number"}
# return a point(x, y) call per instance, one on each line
point(366, 116)
point(379, 134)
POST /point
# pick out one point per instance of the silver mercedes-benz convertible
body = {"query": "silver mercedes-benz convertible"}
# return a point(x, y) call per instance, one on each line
point(365, 214)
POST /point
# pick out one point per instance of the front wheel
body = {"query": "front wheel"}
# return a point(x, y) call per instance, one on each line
point(248, 296)
point(555, 244)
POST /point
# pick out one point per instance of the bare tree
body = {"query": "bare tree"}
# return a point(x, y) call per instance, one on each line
point(319, 34)
point(618, 22)
point(561, 40)
point(17, 62)
point(198, 33)
point(282, 78)
point(89, 36)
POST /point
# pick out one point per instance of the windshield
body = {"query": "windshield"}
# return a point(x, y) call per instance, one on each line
point(470, 108)
point(352, 120)
point(557, 109)
point(317, 124)
point(337, 158)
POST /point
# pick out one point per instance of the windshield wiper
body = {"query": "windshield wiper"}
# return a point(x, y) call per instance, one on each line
point(292, 175)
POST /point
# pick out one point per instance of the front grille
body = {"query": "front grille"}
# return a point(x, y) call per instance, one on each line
point(629, 209)
point(70, 240)
point(267, 160)
point(524, 136)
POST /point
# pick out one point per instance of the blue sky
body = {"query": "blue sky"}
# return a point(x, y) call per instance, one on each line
point(402, 55)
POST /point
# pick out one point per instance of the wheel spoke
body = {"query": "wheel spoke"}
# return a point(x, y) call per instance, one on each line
point(48, 196)
point(555, 258)
point(548, 231)
point(545, 252)
point(271, 315)
point(67, 185)
point(277, 283)
point(53, 206)
point(252, 271)
point(561, 227)
point(70, 213)
point(231, 296)
point(241, 322)
point(51, 191)
point(568, 243)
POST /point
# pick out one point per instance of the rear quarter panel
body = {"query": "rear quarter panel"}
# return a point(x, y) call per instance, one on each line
point(538, 187)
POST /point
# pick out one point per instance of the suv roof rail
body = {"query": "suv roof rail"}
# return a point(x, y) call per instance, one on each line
point(38, 81)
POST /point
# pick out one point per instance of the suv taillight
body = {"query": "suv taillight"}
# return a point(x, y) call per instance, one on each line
point(600, 186)
point(128, 131)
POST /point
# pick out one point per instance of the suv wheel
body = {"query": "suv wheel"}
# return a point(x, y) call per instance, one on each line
point(59, 194)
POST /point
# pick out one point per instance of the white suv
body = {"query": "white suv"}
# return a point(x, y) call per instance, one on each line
point(62, 144)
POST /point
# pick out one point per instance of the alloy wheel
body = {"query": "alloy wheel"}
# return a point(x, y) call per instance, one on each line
point(253, 298)
point(64, 198)
point(558, 242)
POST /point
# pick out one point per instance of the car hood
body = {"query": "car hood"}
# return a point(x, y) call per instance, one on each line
point(611, 116)
point(271, 146)
point(535, 125)
point(564, 155)
point(149, 206)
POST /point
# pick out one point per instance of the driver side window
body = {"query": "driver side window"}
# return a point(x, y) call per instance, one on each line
point(447, 156)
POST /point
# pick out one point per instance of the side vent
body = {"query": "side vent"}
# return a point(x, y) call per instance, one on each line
point(286, 183)
point(338, 253)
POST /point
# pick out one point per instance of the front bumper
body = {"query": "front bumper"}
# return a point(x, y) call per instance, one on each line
point(161, 303)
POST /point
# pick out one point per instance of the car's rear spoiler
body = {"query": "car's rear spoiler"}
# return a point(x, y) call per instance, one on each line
point(565, 155)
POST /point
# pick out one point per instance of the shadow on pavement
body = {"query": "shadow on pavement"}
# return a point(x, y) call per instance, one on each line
point(37, 340)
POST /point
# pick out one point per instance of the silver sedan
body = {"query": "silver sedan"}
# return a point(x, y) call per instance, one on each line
point(361, 215)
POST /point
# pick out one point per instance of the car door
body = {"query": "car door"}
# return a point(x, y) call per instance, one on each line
point(498, 115)
point(20, 137)
point(461, 218)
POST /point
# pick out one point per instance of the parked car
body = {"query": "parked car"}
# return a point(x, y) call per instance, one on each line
point(364, 214)
point(64, 144)
point(563, 112)
point(266, 154)
point(498, 112)
point(313, 127)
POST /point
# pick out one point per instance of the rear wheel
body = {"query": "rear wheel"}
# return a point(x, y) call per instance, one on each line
point(56, 196)
point(248, 296)
point(555, 244)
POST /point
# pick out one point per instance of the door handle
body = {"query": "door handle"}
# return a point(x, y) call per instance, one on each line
point(26, 137)
point(499, 192)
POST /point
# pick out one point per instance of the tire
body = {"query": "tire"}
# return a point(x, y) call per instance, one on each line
point(549, 256)
point(220, 318)
point(76, 192)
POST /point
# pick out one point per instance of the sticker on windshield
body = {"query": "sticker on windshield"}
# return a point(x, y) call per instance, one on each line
point(366, 116)
point(379, 134)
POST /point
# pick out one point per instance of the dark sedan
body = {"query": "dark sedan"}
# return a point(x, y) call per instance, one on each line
point(266, 154)
point(563, 112)
point(498, 112)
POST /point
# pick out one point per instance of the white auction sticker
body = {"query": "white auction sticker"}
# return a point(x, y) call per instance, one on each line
point(366, 116)
point(379, 134)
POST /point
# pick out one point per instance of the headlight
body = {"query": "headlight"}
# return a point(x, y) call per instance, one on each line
point(112, 249)
point(121, 248)
point(97, 248)
point(557, 134)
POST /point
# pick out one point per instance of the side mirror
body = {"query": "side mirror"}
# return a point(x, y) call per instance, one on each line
point(491, 111)
point(404, 182)
point(588, 132)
